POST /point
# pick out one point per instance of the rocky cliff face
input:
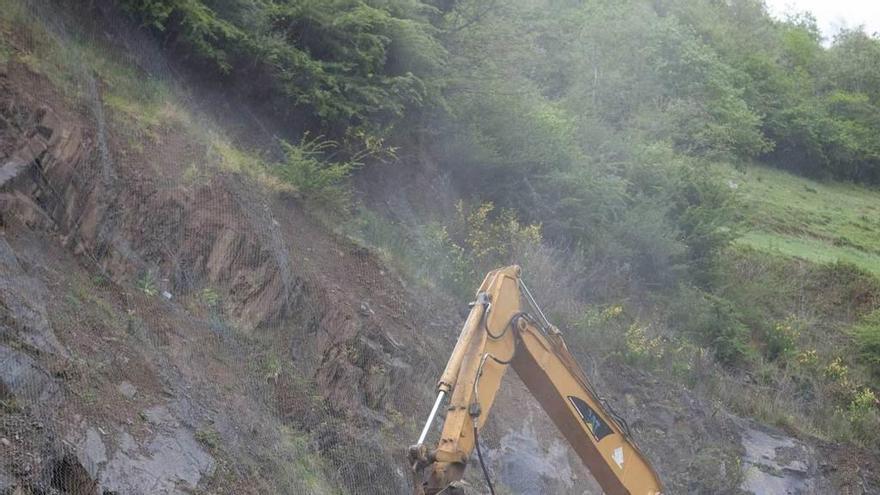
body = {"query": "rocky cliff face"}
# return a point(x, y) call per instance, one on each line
point(166, 335)
point(158, 332)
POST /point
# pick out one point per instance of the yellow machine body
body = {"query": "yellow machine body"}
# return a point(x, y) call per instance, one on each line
point(499, 334)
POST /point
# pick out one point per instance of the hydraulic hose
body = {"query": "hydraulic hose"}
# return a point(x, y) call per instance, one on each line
point(482, 463)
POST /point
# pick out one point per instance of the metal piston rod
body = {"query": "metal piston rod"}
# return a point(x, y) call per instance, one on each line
point(431, 417)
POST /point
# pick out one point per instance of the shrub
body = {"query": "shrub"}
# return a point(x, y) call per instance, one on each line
point(600, 331)
point(837, 371)
point(480, 239)
point(456, 256)
point(864, 417)
point(209, 438)
point(727, 334)
point(311, 174)
point(867, 337)
point(715, 322)
point(704, 211)
point(147, 283)
point(865, 400)
point(209, 297)
point(489, 236)
point(781, 338)
point(457, 270)
point(847, 288)
point(642, 347)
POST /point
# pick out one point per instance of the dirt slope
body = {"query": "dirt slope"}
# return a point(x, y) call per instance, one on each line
point(151, 311)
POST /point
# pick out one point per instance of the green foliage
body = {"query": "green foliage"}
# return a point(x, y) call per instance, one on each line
point(714, 322)
point(304, 470)
point(864, 401)
point(499, 132)
point(602, 331)
point(490, 237)
point(642, 347)
point(790, 82)
point(147, 283)
point(806, 373)
point(209, 437)
point(193, 24)
point(718, 470)
point(518, 85)
point(832, 129)
point(823, 222)
point(6, 51)
point(612, 331)
point(649, 243)
point(351, 62)
point(709, 113)
point(867, 337)
point(312, 174)
point(209, 297)
point(455, 255)
point(704, 210)
point(863, 414)
point(480, 238)
point(8, 405)
point(726, 332)
point(854, 57)
point(781, 339)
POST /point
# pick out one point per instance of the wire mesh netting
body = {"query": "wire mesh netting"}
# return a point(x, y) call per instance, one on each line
point(188, 329)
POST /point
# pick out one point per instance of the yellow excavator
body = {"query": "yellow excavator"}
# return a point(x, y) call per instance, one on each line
point(498, 333)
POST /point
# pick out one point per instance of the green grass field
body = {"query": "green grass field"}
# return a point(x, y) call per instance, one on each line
point(812, 220)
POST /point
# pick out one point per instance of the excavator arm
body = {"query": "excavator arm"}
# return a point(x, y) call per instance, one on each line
point(499, 334)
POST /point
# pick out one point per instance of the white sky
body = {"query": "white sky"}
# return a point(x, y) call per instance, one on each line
point(833, 14)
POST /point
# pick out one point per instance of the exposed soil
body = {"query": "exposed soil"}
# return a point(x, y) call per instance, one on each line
point(175, 293)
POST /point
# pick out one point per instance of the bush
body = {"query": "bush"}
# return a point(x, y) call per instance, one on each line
point(867, 337)
point(480, 239)
point(489, 236)
point(780, 340)
point(864, 417)
point(600, 331)
point(458, 255)
point(704, 211)
point(647, 245)
point(715, 322)
point(311, 174)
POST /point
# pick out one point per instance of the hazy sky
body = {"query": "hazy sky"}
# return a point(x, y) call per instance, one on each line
point(832, 14)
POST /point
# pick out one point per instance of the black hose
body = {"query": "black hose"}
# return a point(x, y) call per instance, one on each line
point(483, 319)
point(480, 457)
point(510, 324)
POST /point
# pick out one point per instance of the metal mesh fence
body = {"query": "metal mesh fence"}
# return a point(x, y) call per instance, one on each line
point(169, 322)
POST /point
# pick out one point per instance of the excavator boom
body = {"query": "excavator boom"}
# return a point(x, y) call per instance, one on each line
point(497, 335)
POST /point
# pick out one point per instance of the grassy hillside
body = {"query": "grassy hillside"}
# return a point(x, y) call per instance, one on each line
point(793, 216)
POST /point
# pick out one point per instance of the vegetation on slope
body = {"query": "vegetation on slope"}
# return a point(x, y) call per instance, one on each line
point(347, 62)
point(712, 79)
point(599, 126)
point(823, 222)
